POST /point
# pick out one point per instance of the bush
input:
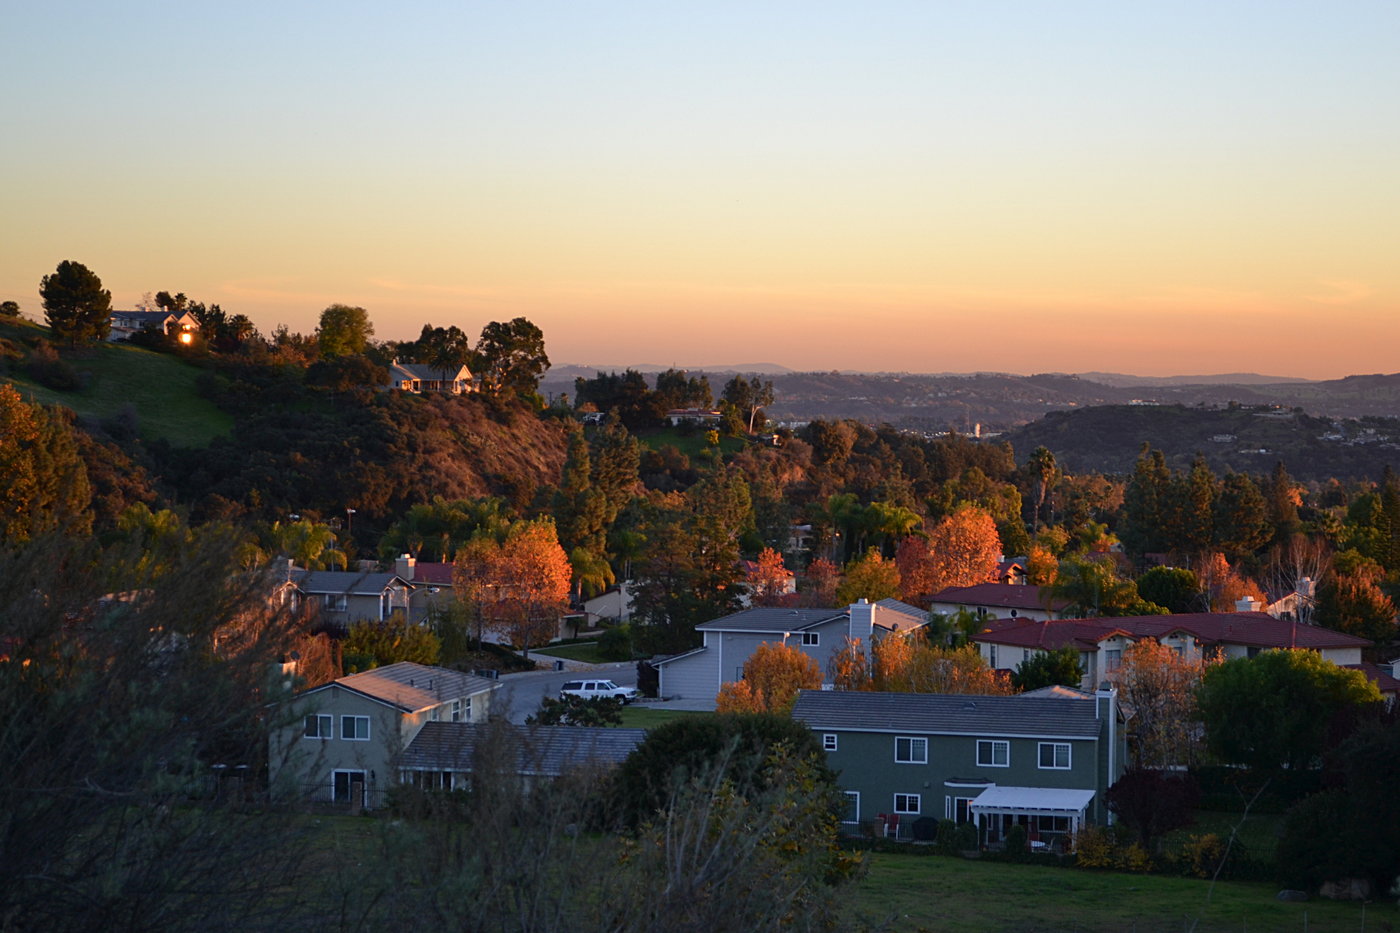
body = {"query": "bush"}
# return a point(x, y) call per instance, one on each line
point(946, 841)
point(46, 368)
point(1093, 848)
point(1016, 841)
point(615, 644)
point(1202, 855)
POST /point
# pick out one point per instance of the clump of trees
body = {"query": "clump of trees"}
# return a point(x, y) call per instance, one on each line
point(773, 674)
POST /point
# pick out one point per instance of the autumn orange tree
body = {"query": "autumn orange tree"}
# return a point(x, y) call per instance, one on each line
point(1158, 687)
point(518, 587)
point(909, 664)
point(961, 550)
point(819, 584)
point(772, 676)
point(767, 579)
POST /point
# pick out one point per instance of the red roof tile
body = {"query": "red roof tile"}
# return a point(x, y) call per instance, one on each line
point(1256, 629)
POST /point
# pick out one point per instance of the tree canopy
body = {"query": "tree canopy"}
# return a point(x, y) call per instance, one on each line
point(344, 330)
point(76, 306)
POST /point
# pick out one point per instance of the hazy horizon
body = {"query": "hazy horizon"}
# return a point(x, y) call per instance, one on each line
point(894, 187)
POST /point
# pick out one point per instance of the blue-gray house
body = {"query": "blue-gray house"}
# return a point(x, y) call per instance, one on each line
point(1042, 760)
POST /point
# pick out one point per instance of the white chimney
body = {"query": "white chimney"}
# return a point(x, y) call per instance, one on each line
point(403, 566)
point(862, 624)
point(1248, 604)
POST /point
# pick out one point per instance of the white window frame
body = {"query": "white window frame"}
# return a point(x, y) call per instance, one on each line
point(347, 721)
point(325, 726)
point(906, 799)
point(455, 708)
point(916, 742)
point(1054, 756)
point(334, 602)
point(350, 785)
point(852, 796)
point(992, 656)
point(951, 808)
point(991, 759)
point(828, 741)
point(811, 639)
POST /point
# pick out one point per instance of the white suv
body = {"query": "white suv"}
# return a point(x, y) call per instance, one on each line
point(588, 689)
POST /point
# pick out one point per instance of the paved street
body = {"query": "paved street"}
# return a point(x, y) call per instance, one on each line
point(520, 694)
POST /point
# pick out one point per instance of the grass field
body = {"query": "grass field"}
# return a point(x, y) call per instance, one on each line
point(913, 893)
point(157, 387)
point(645, 716)
point(690, 443)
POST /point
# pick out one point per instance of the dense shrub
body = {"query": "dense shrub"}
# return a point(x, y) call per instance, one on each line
point(615, 644)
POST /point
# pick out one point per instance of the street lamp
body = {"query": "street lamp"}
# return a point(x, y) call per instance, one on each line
point(349, 520)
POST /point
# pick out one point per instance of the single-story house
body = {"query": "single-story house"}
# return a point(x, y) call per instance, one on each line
point(701, 416)
point(1100, 642)
point(420, 377)
point(1040, 760)
point(820, 633)
point(125, 324)
point(431, 582)
point(342, 742)
point(999, 601)
point(443, 755)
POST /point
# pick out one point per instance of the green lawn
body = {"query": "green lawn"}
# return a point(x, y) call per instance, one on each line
point(158, 387)
point(913, 893)
point(689, 444)
point(586, 651)
point(649, 716)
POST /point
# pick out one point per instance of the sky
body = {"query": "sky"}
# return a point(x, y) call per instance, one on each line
point(934, 186)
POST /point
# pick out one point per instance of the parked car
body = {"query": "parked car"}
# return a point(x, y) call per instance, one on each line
point(588, 689)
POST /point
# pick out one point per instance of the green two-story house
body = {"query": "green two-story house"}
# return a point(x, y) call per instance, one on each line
point(1042, 760)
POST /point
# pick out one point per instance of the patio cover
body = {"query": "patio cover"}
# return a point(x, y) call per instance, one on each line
point(1032, 801)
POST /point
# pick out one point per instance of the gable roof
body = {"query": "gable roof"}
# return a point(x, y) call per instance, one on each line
point(1000, 596)
point(948, 714)
point(409, 686)
point(350, 582)
point(534, 750)
point(1253, 629)
point(426, 373)
point(889, 614)
point(434, 573)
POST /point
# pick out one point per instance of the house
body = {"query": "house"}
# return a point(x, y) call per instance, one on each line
point(444, 755)
point(342, 741)
point(999, 601)
point(420, 377)
point(125, 324)
point(1100, 642)
point(347, 596)
point(1012, 571)
point(698, 416)
point(1043, 761)
point(431, 582)
point(612, 605)
point(820, 633)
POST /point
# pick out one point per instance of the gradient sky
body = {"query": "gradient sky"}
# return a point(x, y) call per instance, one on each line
point(1193, 187)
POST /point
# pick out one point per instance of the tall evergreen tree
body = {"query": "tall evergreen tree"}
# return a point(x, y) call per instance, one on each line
point(1144, 503)
point(76, 306)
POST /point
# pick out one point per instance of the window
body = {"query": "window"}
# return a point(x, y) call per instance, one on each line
point(467, 710)
point(852, 811)
point(348, 787)
point(456, 709)
point(1054, 755)
point(333, 602)
point(992, 656)
point(992, 753)
point(319, 726)
point(906, 803)
point(957, 809)
point(811, 638)
point(354, 728)
point(910, 751)
point(1112, 659)
point(829, 742)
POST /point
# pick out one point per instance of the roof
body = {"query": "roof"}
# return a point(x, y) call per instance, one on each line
point(947, 714)
point(351, 582)
point(426, 373)
point(1045, 800)
point(771, 619)
point(1254, 629)
point(890, 614)
point(656, 662)
point(432, 572)
point(410, 686)
point(537, 750)
point(1384, 682)
point(1000, 596)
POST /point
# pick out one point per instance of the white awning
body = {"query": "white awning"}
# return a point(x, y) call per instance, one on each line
point(1032, 801)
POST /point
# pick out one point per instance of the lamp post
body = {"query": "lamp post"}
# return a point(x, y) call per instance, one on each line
point(349, 521)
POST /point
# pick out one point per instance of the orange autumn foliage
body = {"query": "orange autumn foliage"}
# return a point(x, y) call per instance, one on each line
point(772, 676)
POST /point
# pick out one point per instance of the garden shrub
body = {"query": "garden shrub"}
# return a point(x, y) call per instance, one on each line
point(946, 842)
point(615, 644)
point(1093, 848)
point(1201, 855)
point(1016, 841)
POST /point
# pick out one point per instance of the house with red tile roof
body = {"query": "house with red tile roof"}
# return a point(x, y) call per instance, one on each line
point(1100, 642)
point(1000, 601)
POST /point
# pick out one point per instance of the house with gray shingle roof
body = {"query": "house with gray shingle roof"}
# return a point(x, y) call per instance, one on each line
point(444, 755)
point(1041, 761)
point(419, 378)
point(819, 633)
point(342, 742)
point(346, 596)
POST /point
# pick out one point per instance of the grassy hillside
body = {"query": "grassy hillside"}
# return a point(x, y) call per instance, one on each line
point(117, 380)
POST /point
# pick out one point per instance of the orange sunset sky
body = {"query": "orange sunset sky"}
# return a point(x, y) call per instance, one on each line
point(1160, 189)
